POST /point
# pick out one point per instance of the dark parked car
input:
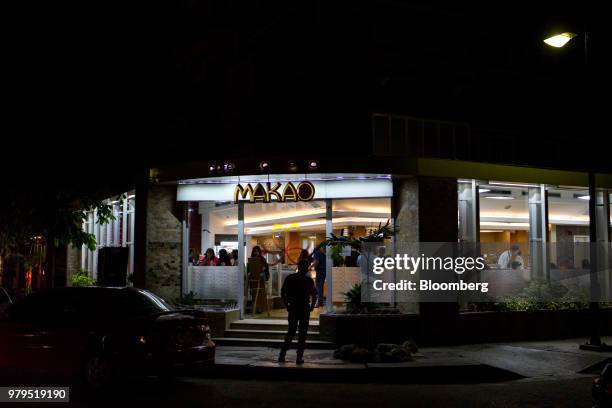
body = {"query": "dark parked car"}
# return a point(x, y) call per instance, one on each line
point(102, 332)
point(602, 388)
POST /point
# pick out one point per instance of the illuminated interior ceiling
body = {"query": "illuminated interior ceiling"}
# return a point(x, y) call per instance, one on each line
point(506, 207)
point(262, 218)
point(260, 178)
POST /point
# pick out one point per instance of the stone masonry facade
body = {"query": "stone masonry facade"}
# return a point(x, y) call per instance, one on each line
point(164, 242)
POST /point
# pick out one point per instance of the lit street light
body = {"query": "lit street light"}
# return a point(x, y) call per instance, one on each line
point(559, 40)
point(595, 343)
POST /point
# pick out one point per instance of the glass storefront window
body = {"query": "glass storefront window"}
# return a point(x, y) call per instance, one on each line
point(505, 225)
point(354, 219)
point(283, 231)
point(285, 227)
point(213, 280)
point(568, 218)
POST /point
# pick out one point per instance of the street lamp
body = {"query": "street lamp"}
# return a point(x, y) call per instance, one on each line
point(559, 40)
point(595, 343)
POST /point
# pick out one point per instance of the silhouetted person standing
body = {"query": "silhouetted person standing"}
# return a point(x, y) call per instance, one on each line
point(300, 297)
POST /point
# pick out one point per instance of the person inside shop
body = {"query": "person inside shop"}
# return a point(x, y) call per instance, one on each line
point(193, 257)
point(256, 253)
point(209, 258)
point(319, 261)
point(351, 260)
point(224, 258)
point(511, 258)
point(234, 257)
point(305, 255)
point(258, 274)
point(300, 297)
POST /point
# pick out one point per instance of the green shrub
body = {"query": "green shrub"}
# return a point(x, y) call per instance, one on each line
point(542, 295)
point(188, 299)
point(81, 278)
point(353, 299)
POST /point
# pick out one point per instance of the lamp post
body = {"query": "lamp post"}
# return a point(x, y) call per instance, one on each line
point(595, 344)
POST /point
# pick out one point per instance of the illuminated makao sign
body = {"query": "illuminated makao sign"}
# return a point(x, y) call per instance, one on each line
point(268, 192)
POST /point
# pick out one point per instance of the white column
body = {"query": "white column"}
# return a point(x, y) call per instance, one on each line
point(96, 232)
point(468, 217)
point(602, 218)
point(124, 221)
point(329, 305)
point(90, 254)
point(537, 231)
point(118, 212)
point(204, 211)
point(132, 234)
point(185, 265)
point(241, 258)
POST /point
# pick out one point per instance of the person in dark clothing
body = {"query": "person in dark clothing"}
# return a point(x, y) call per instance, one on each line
point(319, 262)
point(300, 297)
point(224, 259)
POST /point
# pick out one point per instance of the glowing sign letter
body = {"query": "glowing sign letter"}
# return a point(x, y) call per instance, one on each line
point(241, 191)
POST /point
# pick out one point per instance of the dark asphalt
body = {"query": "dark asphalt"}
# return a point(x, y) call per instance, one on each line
point(195, 392)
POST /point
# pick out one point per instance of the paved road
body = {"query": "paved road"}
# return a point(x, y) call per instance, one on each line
point(191, 392)
point(553, 369)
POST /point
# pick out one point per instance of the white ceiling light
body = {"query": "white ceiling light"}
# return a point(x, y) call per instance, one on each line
point(500, 198)
point(511, 184)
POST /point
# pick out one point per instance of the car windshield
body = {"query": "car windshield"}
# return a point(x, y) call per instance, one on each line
point(136, 303)
point(87, 303)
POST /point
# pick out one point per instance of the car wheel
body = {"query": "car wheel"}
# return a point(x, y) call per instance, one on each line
point(98, 371)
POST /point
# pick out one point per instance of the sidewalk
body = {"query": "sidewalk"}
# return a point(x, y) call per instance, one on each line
point(457, 364)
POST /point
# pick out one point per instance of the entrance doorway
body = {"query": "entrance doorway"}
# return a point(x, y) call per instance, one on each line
point(281, 231)
point(228, 217)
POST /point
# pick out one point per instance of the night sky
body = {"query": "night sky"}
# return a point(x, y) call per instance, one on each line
point(96, 92)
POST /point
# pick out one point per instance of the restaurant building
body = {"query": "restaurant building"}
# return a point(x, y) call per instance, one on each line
point(428, 194)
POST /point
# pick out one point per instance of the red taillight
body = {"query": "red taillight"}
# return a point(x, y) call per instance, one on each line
point(609, 388)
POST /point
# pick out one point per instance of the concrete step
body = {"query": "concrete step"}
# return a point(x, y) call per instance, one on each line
point(264, 334)
point(266, 324)
point(272, 343)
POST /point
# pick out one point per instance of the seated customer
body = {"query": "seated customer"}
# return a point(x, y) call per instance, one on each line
point(209, 259)
point(224, 258)
point(234, 257)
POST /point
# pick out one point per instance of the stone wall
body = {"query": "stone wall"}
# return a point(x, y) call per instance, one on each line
point(425, 210)
point(73, 261)
point(406, 210)
point(164, 245)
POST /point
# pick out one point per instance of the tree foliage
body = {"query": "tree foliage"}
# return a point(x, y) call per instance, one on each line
point(55, 213)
